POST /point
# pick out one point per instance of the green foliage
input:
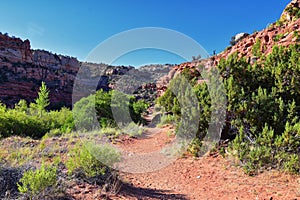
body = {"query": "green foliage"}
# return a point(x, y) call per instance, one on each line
point(33, 120)
point(84, 113)
point(293, 11)
point(91, 158)
point(192, 117)
point(36, 182)
point(43, 99)
point(167, 119)
point(195, 147)
point(140, 106)
point(133, 129)
point(97, 109)
point(278, 37)
point(296, 35)
point(279, 23)
point(256, 48)
point(263, 108)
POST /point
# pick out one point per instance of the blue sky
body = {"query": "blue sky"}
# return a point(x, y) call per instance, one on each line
point(76, 27)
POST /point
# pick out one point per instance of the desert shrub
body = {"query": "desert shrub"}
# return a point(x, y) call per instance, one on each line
point(84, 113)
point(132, 129)
point(256, 48)
point(167, 119)
point(97, 109)
point(33, 120)
point(293, 11)
point(91, 159)
point(262, 111)
point(20, 121)
point(278, 37)
point(188, 114)
point(140, 106)
point(35, 182)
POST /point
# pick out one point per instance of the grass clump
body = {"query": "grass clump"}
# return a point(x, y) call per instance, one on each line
point(91, 159)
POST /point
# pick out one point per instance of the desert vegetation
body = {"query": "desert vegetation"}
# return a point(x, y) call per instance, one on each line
point(28, 132)
point(262, 125)
point(262, 116)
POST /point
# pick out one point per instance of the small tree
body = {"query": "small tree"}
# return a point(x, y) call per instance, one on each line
point(43, 99)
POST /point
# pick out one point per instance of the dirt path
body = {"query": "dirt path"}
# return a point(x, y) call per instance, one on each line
point(210, 177)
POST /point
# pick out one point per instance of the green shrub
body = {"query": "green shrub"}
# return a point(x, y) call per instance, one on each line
point(140, 106)
point(132, 129)
point(167, 119)
point(42, 100)
point(35, 183)
point(256, 48)
point(262, 111)
point(96, 110)
point(293, 11)
point(278, 37)
point(91, 158)
point(34, 121)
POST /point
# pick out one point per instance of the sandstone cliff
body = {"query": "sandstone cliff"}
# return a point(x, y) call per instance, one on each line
point(22, 70)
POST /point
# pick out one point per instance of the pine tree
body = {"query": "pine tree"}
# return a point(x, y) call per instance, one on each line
point(43, 99)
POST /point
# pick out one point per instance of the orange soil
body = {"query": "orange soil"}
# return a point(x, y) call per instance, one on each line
point(209, 177)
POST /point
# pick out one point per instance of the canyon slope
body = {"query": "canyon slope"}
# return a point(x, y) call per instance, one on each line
point(284, 32)
point(22, 69)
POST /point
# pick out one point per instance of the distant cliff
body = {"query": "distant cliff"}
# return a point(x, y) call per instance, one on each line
point(22, 70)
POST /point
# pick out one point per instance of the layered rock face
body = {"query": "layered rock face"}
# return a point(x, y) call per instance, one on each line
point(22, 70)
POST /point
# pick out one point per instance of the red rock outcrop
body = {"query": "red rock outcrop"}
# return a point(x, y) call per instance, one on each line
point(284, 32)
point(22, 70)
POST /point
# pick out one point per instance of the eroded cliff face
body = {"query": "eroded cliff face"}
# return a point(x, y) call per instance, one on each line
point(22, 70)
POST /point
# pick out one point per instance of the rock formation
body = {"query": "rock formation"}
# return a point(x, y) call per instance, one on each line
point(284, 32)
point(22, 70)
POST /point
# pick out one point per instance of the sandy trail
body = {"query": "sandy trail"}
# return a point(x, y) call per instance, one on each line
point(210, 177)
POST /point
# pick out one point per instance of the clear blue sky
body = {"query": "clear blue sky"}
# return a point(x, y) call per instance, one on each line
point(75, 27)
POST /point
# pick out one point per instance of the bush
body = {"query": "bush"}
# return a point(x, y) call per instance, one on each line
point(20, 121)
point(256, 48)
point(91, 159)
point(35, 183)
point(132, 129)
point(96, 110)
point(33, 120)
point(167, 119)
point(262, 111)
point(140, 106)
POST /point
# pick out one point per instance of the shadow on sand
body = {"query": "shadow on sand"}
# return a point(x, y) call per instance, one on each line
point(128, 190)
